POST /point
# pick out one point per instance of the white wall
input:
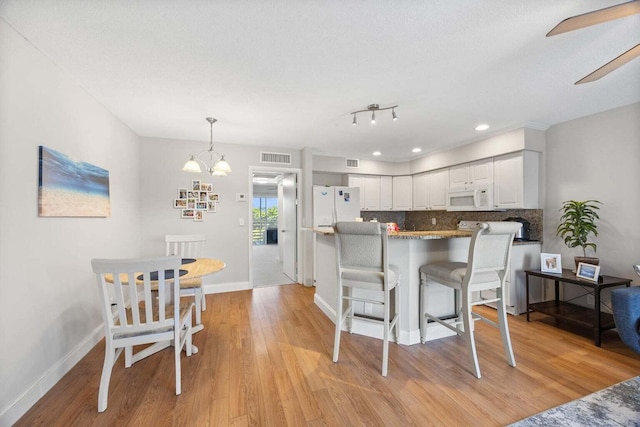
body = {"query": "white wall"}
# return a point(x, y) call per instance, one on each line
point(49, 312)
point(598, 157)
point(161, 172)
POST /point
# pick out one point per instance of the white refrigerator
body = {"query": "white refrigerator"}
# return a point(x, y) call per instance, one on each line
point(331, 204)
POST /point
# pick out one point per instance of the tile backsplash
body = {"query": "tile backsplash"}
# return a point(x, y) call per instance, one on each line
point(422, 220)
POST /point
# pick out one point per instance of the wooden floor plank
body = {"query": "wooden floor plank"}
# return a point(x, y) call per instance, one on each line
point(265, 359)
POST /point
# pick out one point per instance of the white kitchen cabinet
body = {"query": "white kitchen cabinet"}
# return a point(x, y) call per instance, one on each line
point(523, 257)
point(438, 186)
point(516, 180)
point(386, 193)
point(371, 193)
point(421, 191)
point(475, 173)
point(402, 193)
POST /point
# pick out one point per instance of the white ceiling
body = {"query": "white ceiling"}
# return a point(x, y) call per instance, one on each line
point(288, 73)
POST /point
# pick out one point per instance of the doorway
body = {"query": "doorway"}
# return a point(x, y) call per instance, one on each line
point(274, 224)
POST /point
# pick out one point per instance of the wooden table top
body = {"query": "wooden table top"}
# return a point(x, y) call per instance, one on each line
point(195, 270)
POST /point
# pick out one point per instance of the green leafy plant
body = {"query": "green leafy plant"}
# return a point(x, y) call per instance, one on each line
point(577, 223)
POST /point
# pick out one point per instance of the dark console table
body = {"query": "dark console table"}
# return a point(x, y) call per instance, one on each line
point(571, 312)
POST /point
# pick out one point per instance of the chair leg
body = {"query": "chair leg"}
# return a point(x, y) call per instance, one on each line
point(107, 366)
point(336, 341)
point(397, 312)
point(504, 331)
point(177, 350)
point(423, 309)
point(385, 335)
point(467, 320)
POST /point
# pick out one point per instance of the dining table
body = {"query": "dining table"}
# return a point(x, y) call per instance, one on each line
point(191, 271)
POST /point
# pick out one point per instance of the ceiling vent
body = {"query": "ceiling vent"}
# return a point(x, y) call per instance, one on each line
point(353, 163)
point(279, 158)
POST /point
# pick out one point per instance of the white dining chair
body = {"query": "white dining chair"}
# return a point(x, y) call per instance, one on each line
point(486, 268)
point(189, 246)
point(362, 260)
point(133, 315)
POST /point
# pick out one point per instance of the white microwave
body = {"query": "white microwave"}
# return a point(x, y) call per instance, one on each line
point(472, 199)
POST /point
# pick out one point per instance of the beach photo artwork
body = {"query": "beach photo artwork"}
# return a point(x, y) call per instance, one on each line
point(71, 188)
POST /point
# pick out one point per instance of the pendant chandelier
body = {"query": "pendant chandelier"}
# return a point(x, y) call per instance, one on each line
point(218, 166)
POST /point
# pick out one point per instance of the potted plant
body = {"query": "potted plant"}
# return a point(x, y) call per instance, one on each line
point(577, 224)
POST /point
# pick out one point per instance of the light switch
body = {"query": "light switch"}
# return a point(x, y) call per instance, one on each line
point(241, 221)
point(433, 221)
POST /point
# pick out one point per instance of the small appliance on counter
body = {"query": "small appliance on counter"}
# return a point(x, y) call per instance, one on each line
point(525, 231)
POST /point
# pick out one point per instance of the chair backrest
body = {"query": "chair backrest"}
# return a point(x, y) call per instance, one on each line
point(361, 244)
point(490, 248)
point(185, 245)
point(137, 309)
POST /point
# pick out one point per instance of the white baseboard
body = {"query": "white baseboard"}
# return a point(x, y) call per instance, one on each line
point(18, 407)
point(362, 327)
point(225, 287)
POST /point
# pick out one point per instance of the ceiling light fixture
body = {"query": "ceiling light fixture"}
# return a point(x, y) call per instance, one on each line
point(373, 108)
point(483, 126)
point(376, 153)
point(219, 167)
point(416, 150)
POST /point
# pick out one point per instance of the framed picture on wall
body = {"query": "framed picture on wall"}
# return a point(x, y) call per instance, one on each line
point(195, 185)
point(180, 203)
point(551, 263)
point(588, 271)
point(182, 193)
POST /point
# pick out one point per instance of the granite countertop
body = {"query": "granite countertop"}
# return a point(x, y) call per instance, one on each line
point(425, 235)
point(416, 235)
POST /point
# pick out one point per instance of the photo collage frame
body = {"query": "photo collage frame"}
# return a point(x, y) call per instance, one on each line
point(197, 200)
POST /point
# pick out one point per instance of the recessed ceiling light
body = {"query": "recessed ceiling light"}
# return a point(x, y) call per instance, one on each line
point(377, 153)
point(417, 150)
point(483, 126)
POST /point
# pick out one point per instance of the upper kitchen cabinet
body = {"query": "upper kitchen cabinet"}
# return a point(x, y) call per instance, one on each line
point(430, 190)
point(471, 174)
point(369, 186)
point(386, 193)
point(438, 187)
point(516, 184)
point(402, 193)
point(421, 192)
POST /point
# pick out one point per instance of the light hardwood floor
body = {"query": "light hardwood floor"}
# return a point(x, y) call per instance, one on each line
point(265, 360)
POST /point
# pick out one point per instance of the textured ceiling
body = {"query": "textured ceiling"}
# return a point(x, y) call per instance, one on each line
point(289, 73)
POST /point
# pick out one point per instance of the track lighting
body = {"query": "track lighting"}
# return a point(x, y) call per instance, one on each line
point(373, 108)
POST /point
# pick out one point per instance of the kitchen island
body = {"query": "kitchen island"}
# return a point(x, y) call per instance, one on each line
point(408, 251)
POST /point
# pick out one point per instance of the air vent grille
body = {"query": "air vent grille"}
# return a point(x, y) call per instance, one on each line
point(279, 158)
point(353, 163)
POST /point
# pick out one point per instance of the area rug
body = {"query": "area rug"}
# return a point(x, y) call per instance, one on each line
point(618, 405)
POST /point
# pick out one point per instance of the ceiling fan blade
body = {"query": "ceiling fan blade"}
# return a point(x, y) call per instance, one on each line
point(629, 55)
point(596, 17)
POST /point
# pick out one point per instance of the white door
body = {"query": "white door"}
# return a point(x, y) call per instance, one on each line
point(289, 248)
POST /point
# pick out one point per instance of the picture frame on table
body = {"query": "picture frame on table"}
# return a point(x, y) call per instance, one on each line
point(588, 272)
point(550, 263)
